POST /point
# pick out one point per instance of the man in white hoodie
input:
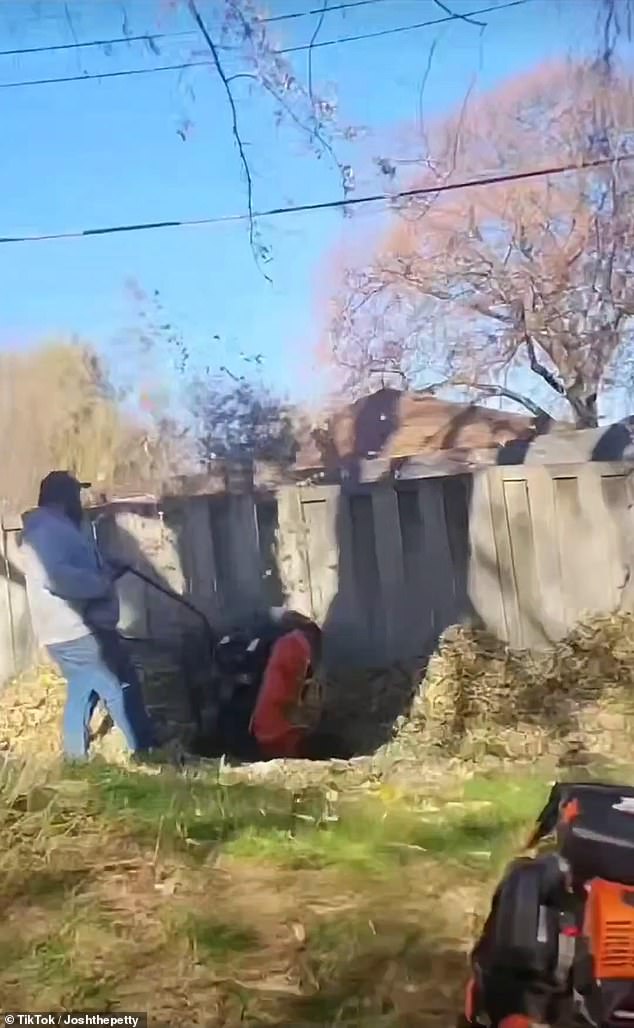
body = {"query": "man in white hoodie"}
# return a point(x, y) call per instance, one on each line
point(75, 611)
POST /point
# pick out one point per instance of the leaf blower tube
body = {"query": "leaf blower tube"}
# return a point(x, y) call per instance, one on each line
point(123, 569)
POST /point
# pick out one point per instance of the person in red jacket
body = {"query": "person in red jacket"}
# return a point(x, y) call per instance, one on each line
point(290, 666)
point(285, 677)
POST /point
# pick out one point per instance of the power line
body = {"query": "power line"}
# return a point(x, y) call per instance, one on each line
point(402, 28)
point(353, 201)
point(106, 75)
point(149, 37)
point(283, 50)
point(317, 10)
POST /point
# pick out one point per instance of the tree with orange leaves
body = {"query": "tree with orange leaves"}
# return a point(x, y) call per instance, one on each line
point(519, 289)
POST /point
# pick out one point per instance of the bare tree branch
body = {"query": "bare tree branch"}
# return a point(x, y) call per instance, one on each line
point(492, 389)
point(313, 40)
point(235, 129)
point(536, 366)
point(535, 276)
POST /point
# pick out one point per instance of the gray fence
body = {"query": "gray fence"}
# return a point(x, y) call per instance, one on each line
point(385, 567)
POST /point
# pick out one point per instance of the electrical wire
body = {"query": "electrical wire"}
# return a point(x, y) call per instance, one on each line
point(284, 50)
point(145, 37)
point(151, 36)
point(352, 201)
point(106, 74)
point(402, 28)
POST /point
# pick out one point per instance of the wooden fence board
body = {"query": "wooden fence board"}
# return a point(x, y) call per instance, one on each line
point(119, 536)
point(541, 497)
point(389, 555)
point(386, 566)
point(619, 498)
point(572, 536)
point(8, 663)
point(245, 550)
point(365, 571)
point(531, 631)
point(627, 534)
point(419, 589)
point(24, 644)
point(198, 557)
point(603, 575)
point(457, 501)
point(320, 519)
point(484, 572)
point(507, 583)
point(158, 541)
point(292, 551)
point(437, 553)
point(236, 547)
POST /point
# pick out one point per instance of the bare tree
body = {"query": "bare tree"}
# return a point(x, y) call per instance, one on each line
point(60, 411)
point(515, 282)
point(241, 419)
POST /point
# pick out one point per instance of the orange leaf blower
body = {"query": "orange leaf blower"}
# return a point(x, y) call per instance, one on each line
point(557, 948)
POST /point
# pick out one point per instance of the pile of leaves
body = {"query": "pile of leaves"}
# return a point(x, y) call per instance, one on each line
point(478, 697)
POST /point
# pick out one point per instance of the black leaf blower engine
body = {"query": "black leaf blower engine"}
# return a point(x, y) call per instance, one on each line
point(557, 948)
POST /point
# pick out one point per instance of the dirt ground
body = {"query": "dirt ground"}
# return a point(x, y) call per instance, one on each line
point(223, 898)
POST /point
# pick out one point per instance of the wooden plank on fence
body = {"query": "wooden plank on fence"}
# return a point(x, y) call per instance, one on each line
point(541, 498)
point(627, 595)
point(521, 471)
point(389, 556)
point(24, 643)
point(118, 537)
point(532, 634)
point(346, 635)
point(320, 519)
point(572, 533)
point(198, 556)
point(8, 663)
point(293, 551)
point(418, 616)
point(244, 551)
point(484, 574)
point(268, 533)
point(619, 499)
point(603, 575)
point(457, 496)
point(438, 562)
point(506, 570)
point(366, 573)
point(159, 557)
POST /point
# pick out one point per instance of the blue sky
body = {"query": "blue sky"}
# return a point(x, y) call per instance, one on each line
point(84, 154)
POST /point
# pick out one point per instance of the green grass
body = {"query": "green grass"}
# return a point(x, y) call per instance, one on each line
point(217, 940)
point(475, 823)
point(482, 823)
point(143, 889)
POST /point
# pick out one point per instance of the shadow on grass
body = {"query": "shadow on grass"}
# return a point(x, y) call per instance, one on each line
point(46, 888)
point(216, 940)
point(307, 828)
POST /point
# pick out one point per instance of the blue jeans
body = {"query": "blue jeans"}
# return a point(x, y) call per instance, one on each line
point(98, 668)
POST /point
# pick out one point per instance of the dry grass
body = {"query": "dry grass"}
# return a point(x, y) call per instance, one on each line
point(287, 893)
point(31, 711)
point(248, 903)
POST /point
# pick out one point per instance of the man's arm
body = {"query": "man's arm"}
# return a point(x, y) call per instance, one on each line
point(64, 572)
point(71, 582)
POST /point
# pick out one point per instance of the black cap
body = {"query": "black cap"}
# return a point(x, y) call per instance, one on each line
point(58, 486)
